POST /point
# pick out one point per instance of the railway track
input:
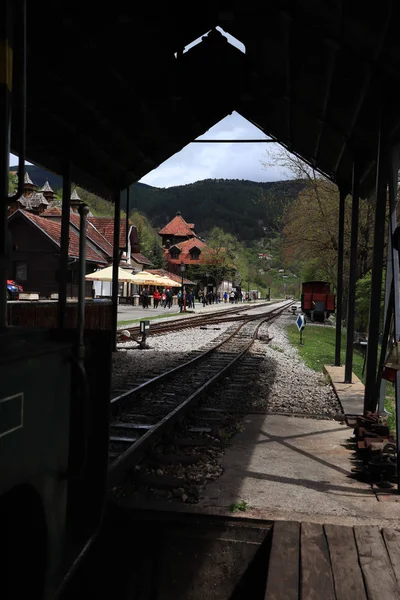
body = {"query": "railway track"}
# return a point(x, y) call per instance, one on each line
point(233, 314)
point(141, 415)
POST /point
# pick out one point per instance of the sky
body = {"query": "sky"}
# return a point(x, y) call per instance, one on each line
point(218, 161)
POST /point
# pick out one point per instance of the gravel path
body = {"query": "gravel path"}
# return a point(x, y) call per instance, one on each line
point(290, 386)
point(166, 351)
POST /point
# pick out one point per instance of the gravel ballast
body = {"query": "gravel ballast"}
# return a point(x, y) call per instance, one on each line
point(289, 385)
point(165, 351)
point(272, 378)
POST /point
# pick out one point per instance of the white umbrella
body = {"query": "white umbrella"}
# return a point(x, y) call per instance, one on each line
point(106, 275)
point(166, 281)
point(146, 278)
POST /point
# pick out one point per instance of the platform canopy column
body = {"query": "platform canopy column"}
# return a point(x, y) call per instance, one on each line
point(352, 273)
point(392, 271)
point(6, 66)
point(116, 259)
point(371, 391)
point(64, 244)
point(339, 286)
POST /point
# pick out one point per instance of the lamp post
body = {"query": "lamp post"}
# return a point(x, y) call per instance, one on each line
point(207, 275)
point(183, 268)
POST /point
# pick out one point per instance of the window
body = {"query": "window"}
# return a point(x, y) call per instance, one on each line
point(195, 254)
point(21, 271)
point(174, 253)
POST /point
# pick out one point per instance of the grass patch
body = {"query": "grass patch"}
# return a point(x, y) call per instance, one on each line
point(319, 349)
point(165, 316)
point(242, 506)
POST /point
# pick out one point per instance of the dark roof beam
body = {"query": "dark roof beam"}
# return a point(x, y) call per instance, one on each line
point(369, 71)
point(332, 51)
point(286, 20)
point(153, 124)
point(111, 128)
point(119, 171)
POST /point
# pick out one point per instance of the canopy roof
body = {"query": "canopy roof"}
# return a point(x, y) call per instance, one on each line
point(106, 275)
point(146, 278)
point(124, 97)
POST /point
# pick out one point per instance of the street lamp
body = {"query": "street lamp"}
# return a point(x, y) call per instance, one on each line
point(183, 268)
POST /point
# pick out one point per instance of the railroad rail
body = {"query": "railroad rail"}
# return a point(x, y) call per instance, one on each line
point(143, 414)
point(228, 314)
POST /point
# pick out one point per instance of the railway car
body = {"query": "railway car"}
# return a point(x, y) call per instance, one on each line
point(317, 301)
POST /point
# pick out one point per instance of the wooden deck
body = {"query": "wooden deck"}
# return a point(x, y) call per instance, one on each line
point(333, 562)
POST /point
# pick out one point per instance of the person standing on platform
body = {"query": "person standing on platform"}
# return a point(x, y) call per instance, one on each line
point(156, 298)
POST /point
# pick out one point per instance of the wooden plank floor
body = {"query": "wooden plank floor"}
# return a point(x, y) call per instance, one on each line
point(309, 561)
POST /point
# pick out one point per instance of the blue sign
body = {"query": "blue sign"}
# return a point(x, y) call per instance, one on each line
point(300, 322)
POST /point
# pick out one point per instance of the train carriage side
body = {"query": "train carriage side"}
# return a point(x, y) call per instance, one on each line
point(317, 301)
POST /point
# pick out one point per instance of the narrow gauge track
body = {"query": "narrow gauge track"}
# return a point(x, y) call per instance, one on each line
point(141, 415)
point(206, 319)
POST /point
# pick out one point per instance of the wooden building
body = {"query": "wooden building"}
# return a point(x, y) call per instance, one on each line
point(36, 233)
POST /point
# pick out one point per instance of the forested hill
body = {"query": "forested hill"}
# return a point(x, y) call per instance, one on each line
point(240, 207)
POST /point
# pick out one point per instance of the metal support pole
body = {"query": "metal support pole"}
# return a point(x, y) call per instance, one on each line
point(128, 285)
point(396, 316)
point(65, 216)
point(339, 287)
point(117, 223)
point(352, 276)
point(83, 211)
point(182, 292)
point(392, 267)
point(370, 398)
point(127, 221)
point(6, 57)
point(388, 294)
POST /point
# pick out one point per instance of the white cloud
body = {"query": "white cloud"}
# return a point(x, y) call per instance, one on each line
point(220, 161)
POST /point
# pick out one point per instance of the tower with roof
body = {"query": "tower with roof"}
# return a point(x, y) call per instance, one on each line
point(32, 200)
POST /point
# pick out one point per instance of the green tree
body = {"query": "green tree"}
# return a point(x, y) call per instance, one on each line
point(221, 258)
point(310, 232)
point(12, 182)
point(150, 241)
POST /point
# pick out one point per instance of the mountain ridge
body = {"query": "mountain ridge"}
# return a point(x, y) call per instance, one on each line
point(247, 209)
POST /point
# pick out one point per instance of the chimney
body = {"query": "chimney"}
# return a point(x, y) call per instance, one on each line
point(47, 192)
point(75, 201)
point(29, 186)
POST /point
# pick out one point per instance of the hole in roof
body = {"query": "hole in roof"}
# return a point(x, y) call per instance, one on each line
point(202, 161)
point(231, 39)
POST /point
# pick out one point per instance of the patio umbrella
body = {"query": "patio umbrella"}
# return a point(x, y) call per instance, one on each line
point(146, 278)
point(106, 275)
point(167, 282)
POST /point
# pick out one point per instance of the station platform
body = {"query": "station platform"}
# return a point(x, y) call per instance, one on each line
point(350, 395)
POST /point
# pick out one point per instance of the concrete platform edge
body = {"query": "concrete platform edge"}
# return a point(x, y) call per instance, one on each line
point(350, 395)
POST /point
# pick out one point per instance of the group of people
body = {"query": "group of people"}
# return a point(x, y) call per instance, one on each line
point(165, 298)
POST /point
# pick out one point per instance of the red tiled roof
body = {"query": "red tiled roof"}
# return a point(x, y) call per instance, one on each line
point(53, 211)
point(92, 233)
point(140, 258)
point(105, 225)
point(184, 255)
point(53, 230)
point(177, 227)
